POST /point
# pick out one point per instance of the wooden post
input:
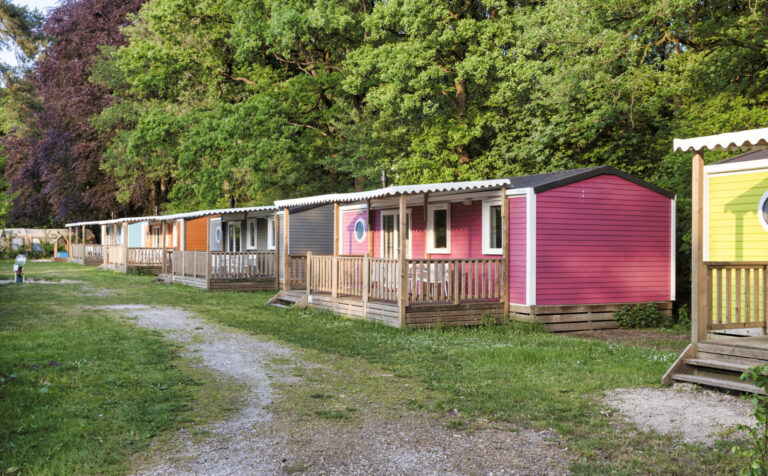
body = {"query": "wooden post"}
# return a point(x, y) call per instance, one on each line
point(426, 218)
point(104, 244)
point(209, 264)
point(286, 247)
point(370, 228)
point(336, 237)
point(164, 227)
point(505, 250)
point(125, 244)
point(335, 261)
point(698, 268)
point(276, 228)
point(366, 281)
point(83, 239)
point(69, 243)
point(403, 284)
point(309, 274)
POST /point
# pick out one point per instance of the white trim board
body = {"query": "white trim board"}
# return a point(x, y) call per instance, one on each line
point(530, 249)
point(745, 166)
point(673, 257)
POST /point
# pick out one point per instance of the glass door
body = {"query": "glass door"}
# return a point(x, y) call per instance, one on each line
point(233, 237)
point(390, 236)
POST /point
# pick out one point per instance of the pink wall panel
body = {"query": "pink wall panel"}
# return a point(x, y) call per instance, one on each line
point(517, 249)
point(602, 240)
point(349, 245)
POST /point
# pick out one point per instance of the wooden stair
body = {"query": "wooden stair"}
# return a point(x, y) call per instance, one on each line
point(718, 364)
point(289, 300)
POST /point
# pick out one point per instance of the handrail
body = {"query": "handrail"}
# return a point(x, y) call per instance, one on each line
point(429, 280)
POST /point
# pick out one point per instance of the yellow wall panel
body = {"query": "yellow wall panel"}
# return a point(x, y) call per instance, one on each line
point(735, 233)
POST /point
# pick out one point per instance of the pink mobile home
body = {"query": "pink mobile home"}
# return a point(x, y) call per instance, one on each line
point(567, 248)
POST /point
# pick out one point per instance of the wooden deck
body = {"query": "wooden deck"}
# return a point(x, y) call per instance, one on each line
point(411, 293)
point(581, 317)
point(224, 271)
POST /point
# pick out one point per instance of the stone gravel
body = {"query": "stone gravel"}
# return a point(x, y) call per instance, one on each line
point(256, 441)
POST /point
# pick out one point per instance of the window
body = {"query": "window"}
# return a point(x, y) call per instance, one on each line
point(271, 233)
point(218, 233)
point(233, 237)
point(360, 230)
point(439, 229)
point(762, 211)
point(252, 234)
point(492, 228)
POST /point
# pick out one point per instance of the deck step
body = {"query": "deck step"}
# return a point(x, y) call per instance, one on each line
point(718, 383)
point(717, 364)
point(288, 300)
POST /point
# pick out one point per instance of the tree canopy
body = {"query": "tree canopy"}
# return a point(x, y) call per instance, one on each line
point(178, 105)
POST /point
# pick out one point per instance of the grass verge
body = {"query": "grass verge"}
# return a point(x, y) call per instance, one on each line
point(512, 373)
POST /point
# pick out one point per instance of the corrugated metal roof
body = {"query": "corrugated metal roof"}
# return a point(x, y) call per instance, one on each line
point(760, 154)
point(539, 183)
point(392, 192)
point(730, 140)
point(176, 216)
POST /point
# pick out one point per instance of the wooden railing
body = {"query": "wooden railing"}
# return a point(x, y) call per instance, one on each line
point(145, 256)
point(93, 251)
point(115, 255)
point(297, 270)
point(321, 273)
point(193, 264)
point(736, 295)
point(244, 265)
point(451, 280)
point(77, 251)
point(428, 281)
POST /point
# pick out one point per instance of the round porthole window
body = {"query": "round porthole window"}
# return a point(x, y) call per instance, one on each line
point(218, 235)
point(360, 230)
point(147, 234)
point(762, 211)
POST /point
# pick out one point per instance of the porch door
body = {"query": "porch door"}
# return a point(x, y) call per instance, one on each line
point(390, 235)
point(156, 236)
point(233, 237)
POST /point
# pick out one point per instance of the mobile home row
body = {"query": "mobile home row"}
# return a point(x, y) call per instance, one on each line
point(567, 249)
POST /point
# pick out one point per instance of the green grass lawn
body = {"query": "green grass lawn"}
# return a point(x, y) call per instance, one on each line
point(512, 373)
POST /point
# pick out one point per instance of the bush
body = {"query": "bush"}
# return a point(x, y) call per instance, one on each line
point(641, 316)
point(755, 455)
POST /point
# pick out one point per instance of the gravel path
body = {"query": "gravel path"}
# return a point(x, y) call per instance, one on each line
point(256, 441)
point(697, 416)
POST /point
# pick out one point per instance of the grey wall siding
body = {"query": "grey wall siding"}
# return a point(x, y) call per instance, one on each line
point(312, 230)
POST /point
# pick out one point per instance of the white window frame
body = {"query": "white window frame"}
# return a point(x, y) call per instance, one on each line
point(271, 238)
point(431, 228)
point(486, 225)
point(396, 212)
point(248, 223)
point(365, 229)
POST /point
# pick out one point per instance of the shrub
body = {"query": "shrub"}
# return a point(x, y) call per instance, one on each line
point(641, 316)
point(755, 456)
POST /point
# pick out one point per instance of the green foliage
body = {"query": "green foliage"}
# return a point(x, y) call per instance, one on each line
point(641, 316)
point(754, 457)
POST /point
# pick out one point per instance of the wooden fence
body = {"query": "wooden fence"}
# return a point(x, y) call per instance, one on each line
point(192, 264)
point(736, 295)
